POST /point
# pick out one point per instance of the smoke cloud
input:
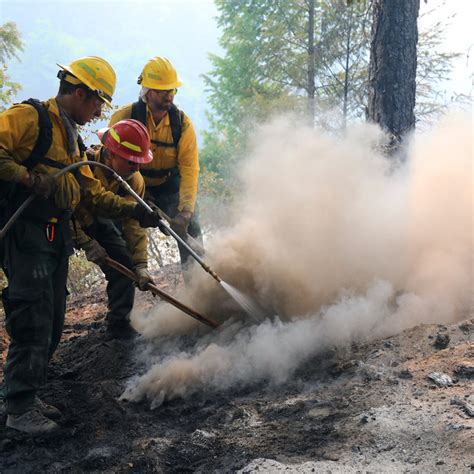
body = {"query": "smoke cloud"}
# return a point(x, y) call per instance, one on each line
point(335, 244)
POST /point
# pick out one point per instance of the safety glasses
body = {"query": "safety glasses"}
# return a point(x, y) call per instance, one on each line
point(172, 92)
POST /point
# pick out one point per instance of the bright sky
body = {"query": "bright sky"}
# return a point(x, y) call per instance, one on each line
point(459, 38)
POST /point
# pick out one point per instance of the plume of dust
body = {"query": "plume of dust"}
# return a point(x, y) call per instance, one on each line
point(336, 244)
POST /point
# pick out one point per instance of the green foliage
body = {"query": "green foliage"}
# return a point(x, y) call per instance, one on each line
point(434, 66)
point(83, 274)
point(248, 85)
point(10, 45)
point(270, 54)
point(344, 59)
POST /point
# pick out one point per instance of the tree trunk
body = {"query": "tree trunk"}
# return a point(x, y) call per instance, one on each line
point(311, 62)
point(392, 69)
point(349, 20)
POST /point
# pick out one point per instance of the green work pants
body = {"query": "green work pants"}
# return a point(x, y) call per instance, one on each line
point(120, 289)
point(167, 200)
point(36, 263)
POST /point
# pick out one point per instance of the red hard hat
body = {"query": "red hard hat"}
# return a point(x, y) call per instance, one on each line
point(128, 139)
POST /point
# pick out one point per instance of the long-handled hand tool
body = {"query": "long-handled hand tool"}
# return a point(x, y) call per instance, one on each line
point(162, 294)
point(245, 303)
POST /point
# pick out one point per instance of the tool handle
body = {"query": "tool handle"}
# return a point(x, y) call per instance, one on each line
point(162, 294)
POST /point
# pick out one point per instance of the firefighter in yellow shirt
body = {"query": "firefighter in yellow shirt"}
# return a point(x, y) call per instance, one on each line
point(172, 177)
point(36, 139)
point(125, 147)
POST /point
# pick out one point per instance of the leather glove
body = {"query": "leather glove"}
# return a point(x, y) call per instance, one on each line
point(95, 253)
point(145, 219)
point(92, 152)
point(43, 184)
point(180, 223)
point(143, 276)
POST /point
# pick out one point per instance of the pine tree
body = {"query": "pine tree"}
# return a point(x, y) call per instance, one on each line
point(10, 45)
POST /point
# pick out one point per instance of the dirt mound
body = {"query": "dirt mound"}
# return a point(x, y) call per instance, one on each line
point(369, 406)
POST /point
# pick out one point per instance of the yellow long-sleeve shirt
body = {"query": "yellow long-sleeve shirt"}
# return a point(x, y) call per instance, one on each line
point(134, 235)
point(185, 156)
point(19, 130)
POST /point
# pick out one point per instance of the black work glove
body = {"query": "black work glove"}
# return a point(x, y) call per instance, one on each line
point(95, 253)
point(145, 219)
point(180, 223)
point(43, 184)
point(144, 276)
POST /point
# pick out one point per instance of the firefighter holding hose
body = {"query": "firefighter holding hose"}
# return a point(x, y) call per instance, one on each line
point(125, 146)
point(37, 140)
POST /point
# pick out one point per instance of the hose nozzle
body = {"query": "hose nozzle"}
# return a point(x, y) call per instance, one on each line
point(211, 272)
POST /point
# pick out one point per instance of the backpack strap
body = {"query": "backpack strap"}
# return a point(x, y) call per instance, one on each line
point(44, 160)
point(163, 144)
point(45, 135)
point(176, 122)
point(81, 145)
point(159, 173)
point(45, 139)
point(139, 111)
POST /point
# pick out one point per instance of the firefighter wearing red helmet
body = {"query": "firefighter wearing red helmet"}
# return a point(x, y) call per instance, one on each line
point(124, 147)
point(129, 140)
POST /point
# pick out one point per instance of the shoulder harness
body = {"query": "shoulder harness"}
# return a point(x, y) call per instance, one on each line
point(176, 122)
point(45, 139)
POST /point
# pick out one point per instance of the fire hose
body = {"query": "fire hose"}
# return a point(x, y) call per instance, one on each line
point(127, 188)
point(244, 303)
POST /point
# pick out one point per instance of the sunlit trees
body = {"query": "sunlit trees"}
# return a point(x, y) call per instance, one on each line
point(10, 45)
point(309, 57)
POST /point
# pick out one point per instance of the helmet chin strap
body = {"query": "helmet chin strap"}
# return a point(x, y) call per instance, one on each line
point(68, 77)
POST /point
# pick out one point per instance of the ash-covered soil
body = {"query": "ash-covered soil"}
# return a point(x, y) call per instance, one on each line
point(369, 407)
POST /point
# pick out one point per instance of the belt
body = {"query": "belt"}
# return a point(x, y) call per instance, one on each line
point(160, 173)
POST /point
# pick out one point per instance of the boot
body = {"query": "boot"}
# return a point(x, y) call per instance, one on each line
point(120, 329)
point(31, 421)
point(47, 410)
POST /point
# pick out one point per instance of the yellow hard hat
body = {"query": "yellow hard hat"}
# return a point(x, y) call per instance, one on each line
point(160, 74)
point(96, 73)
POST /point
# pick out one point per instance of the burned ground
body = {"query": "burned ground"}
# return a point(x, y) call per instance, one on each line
point(371, 406)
